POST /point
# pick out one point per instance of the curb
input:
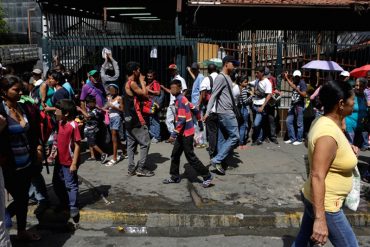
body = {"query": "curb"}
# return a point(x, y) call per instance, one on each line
point(157, 220)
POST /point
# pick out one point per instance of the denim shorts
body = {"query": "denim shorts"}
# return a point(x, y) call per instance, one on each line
point(115, 123)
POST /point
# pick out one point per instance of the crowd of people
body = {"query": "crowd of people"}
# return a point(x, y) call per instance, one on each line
point(44, 119)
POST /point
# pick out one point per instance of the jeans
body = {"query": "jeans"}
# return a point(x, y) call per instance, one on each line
point(17, 183)
point(257, 124)
point(340, 231)
point(243, 128)
point(212, 131)
point(185, 144)
point(295, 112)
point(4, 235)
point(137, 136)
point(154, 126)
point(228, 136)
point(270, 122)
point(65, 185)
point(170, 118)
point(353, 132)
point(38, 188)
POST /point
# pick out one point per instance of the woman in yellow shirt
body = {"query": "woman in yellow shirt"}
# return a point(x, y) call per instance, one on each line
point(331, 159)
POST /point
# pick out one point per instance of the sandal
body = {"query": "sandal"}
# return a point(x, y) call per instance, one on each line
point(91, 159)
point(28, 237)
point(111, 163)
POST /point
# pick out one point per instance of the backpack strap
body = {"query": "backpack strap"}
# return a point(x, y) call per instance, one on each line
point(210, 82)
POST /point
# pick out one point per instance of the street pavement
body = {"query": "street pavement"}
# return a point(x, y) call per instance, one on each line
point(259, 194)
point(260, 188)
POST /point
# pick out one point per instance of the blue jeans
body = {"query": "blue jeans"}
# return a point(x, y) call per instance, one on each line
point(228, 136)
point(38, 189)
point(154, 126)
point(257, 124)
point(340, 231)
point(353, 132)
point(65, 185)
point(243, 129)
point(295, 112)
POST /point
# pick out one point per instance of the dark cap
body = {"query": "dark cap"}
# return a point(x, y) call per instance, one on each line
point(194, 65)
point(230, 59)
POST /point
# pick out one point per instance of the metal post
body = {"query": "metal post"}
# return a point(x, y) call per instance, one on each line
point(279, 58)
point(253, 53)
point(29, 24)
point(318, 50)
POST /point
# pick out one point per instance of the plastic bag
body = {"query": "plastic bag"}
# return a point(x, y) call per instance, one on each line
point(353, 198)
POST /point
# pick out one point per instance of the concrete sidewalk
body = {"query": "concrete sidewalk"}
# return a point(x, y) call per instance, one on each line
point(260, 189)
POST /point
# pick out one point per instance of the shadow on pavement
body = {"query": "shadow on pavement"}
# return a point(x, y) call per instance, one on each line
point(288, 240)
point(64, 233)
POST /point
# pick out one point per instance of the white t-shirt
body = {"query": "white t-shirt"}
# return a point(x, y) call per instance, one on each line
point(236, 92)
point(265, 84)
point(183, 86)
point(206, 83)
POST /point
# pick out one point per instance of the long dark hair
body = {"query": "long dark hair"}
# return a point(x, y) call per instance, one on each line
point(7, 82)
point(332, 92)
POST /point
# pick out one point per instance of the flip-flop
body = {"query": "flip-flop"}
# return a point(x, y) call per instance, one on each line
point(111, 163)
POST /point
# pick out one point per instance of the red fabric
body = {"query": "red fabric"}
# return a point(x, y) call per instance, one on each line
point(361, 71)
point(273, 82)
point(68, 134)
point(46, 126)
point(184, 117)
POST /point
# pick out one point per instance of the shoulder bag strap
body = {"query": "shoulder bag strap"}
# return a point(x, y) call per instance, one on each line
point(231, 94)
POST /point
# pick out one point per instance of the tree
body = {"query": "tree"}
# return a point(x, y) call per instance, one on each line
point(4, 28)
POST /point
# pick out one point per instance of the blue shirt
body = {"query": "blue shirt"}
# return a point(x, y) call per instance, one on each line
point(195, 91)
point(359, 113)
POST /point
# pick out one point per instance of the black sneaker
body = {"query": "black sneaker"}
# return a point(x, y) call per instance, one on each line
point(144, 173)
point(104, 158)
point(131, 173)
point(275, 141)
point(172, 180)
point(257, 143)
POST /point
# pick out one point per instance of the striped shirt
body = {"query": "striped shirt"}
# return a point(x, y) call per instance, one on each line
point(184, 119)
point(243, 98)
point(18, 141)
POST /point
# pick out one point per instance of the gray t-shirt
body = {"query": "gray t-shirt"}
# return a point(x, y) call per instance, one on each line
point(221, 97)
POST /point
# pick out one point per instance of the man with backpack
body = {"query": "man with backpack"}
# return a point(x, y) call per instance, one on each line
point(205, 89)
point(36, 82)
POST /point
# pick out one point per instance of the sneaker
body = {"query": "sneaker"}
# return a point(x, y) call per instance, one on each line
point(275, 141)
point(154, 141)
point(364, 149)
point(144, 173)
point(207, 180)
point(296, 143)
point(104, 158)
point(288, 142)
point(171, 180)
point(257, 143)
point(122, 156)
point(131, 173)
point(219, 168)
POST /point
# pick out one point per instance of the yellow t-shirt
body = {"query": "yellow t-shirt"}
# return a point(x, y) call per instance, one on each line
point(338, 182)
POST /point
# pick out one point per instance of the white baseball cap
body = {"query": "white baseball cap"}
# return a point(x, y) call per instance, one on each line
point(344, 73)
point(297, 73)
